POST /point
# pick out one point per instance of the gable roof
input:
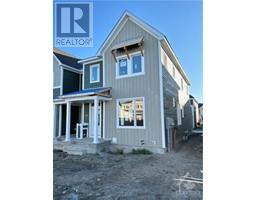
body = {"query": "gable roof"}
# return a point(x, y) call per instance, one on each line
point(67, 59)
point(122, 20)
point(151, 30)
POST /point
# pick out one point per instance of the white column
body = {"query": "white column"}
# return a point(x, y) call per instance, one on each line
point(82, 121)
point(68, 117)
point(95, 125)
point(60, 120)
point(54, 120)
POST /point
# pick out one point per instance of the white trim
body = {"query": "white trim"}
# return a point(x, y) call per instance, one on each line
point(134, 101)
point(68, 120)
point(60, 120)
point(59, 63)
point(104, 120)
point(161, 95)
point(57, 87)
point(61, 80)
point(103, 71)
point(98, 73)
point(129, 66)
point(90, 60)
point(71, 69)
point(83, 77)
point(122, 21)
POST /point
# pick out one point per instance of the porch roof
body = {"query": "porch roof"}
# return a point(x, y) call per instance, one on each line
point(100, 91)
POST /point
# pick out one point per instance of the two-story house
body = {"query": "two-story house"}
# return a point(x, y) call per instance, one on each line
point(134, 92)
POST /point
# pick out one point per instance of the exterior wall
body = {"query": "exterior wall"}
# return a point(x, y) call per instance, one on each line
point(56, 93)
point(147, 86)
point(86, 78)
point(70, 81)
point(56, 73)
point(172, 88)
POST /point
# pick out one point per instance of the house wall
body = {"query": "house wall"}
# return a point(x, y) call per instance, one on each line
point(86, 78)
point(56, 73)
point(147, 86)
point(56, 93)
point(70, 81)
point(172, 88)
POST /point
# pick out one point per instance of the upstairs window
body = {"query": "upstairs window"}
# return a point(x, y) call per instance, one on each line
point(94, 73)
point(122, 67)
point(132, 66)
point(136, 64)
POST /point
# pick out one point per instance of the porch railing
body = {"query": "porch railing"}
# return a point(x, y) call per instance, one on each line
point(82, 130)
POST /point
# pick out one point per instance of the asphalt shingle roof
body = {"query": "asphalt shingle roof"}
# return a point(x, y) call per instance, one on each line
point(67, 59)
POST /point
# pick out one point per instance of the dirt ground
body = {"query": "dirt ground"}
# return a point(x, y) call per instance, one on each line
point(128, 176)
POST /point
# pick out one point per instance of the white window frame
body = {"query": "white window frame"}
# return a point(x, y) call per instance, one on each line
point(130, 65)
point(98, 73)
point(134, 102)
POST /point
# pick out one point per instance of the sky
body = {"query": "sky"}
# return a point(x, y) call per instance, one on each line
point(180, 21)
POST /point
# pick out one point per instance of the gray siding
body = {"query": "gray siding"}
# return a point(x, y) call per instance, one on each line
point(56, 73)
point(139, 86)
point(87, 83)
point(56, 93)
point(70, 81)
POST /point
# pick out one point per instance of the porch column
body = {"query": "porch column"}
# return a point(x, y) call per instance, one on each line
point(54, 120)
point(82, 121)
point(68, 114)
point(95, 125)
point(60, 120)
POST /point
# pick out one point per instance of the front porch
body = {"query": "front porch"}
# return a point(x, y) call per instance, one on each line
point(79, 118)
point(80, 146)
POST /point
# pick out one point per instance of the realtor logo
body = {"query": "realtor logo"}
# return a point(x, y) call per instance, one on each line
point(73, 24)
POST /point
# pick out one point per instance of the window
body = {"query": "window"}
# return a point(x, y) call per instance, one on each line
point(136, 64)
point(130, 113)
point(130, 67)
point(123, 67)
point(94, 73)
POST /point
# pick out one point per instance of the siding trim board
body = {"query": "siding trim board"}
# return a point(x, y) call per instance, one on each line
point(161, 95)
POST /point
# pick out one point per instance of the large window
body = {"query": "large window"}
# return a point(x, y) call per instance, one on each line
point(130, 113)
point(132, 66)
point(94, 73)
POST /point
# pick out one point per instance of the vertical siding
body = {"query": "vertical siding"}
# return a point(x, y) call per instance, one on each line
point(70, 81)
point(172, 88)
point(87, 83)
point(56, 93)
point(56, 73)
point(139, 86)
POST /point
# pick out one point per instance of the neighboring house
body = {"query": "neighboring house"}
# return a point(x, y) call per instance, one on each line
point(195, 111)
point(200, 105)
point(134, 92)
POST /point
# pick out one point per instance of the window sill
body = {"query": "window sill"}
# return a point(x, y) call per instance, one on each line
point(131, 127)
point(130, 75)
